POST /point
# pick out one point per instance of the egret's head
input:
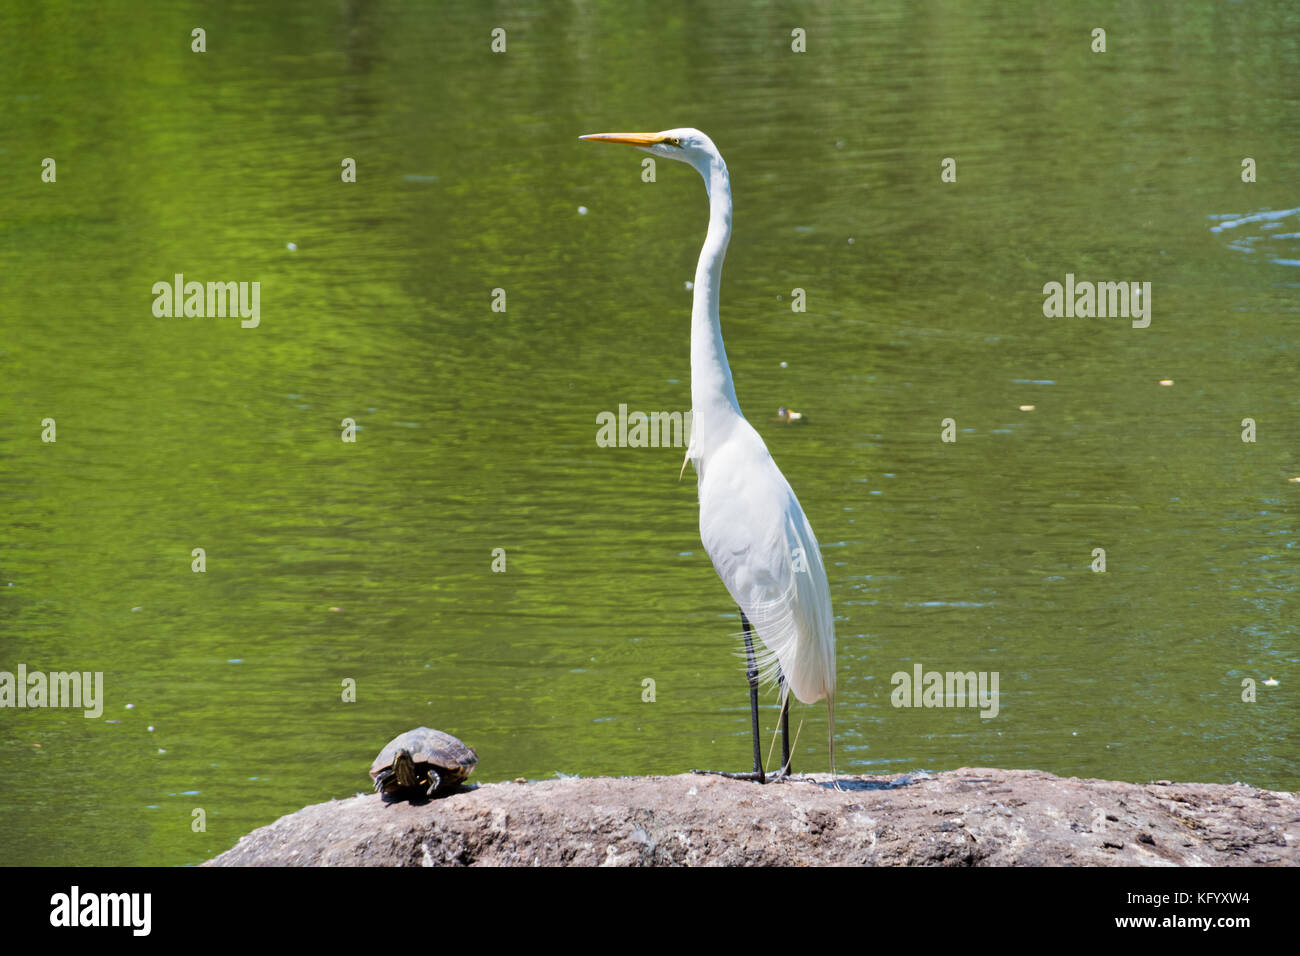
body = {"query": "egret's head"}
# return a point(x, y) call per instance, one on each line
point(685, 145)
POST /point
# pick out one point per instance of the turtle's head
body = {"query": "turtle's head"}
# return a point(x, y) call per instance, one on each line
point(404, 769)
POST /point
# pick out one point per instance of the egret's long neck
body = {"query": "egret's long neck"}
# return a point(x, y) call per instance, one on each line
point(713, 396)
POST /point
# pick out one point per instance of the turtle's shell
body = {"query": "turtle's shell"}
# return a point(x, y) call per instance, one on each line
point(430, 748)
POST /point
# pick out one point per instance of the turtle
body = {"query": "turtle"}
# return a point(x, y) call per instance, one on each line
point(422, 762)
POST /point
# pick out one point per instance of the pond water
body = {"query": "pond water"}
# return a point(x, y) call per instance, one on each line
point(365, 568)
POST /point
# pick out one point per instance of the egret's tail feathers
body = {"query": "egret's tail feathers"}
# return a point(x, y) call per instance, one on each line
point(774, 643)
point(795, 641)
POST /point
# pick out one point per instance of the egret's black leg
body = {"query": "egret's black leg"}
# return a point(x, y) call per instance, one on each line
point(785, 732)
point(785, 728)
point(752, 673)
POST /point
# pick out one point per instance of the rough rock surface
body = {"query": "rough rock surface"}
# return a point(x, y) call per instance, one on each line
point(957, 818)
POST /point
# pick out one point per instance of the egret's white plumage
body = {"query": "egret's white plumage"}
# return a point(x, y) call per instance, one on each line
point(751, 523)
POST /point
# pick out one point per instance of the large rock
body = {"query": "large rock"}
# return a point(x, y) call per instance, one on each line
point(956, 818)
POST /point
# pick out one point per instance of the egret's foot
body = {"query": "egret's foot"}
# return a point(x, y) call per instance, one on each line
point(755, 775)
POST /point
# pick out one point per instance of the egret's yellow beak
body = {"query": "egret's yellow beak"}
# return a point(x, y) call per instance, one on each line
point(631, 139)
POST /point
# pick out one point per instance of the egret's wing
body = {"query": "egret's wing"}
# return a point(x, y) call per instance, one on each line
point(767, 556)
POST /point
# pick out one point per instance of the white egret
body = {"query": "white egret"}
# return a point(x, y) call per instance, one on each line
point(750, 521)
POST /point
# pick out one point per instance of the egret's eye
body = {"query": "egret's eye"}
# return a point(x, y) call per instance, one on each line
point(674, 140)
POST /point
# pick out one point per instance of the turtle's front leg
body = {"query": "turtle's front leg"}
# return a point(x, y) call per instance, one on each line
point(380, 779)
point(435, 782)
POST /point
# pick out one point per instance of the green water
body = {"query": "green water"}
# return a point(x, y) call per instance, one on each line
point(371, 562)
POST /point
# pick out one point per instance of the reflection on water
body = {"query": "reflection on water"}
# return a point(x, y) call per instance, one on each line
point(369, 564)
point(1278, 247)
